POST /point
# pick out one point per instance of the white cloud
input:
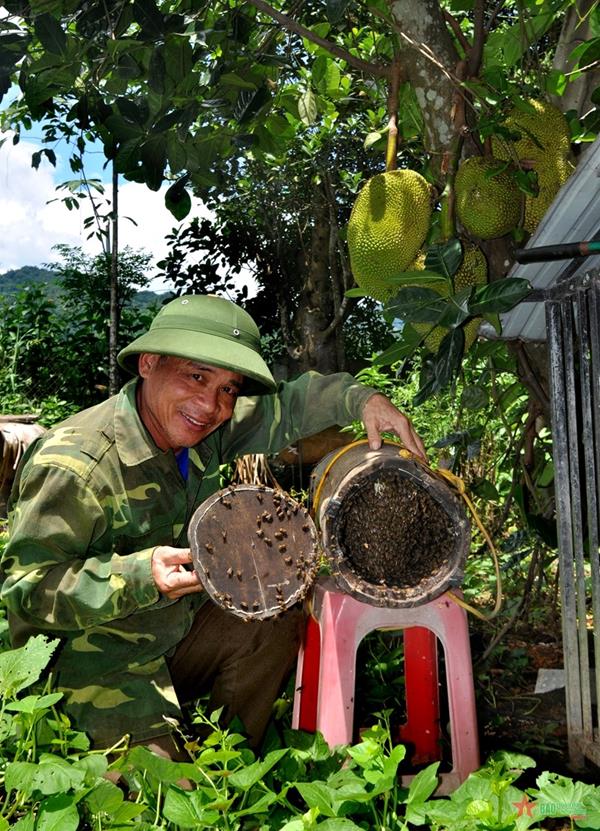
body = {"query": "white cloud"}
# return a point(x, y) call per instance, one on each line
point(29, 226)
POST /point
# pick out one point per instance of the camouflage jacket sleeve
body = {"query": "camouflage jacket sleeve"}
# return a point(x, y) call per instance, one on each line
point(58, 577)
point(300, 408)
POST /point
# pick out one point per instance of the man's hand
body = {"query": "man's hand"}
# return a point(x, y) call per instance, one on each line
point(380, 416)
point(170, 574)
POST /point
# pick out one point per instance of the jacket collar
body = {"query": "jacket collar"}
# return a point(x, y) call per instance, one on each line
point(134, 442)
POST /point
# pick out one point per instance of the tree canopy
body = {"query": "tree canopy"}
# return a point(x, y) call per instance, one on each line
point(227, 98)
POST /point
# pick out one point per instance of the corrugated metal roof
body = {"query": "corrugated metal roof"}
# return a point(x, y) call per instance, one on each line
point(574, 216)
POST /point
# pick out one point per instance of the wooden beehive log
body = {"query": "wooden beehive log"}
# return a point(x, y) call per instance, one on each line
point(16, 434)
point(395, 534)
point(254, 549)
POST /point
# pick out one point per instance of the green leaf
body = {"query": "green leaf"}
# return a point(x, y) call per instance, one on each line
point(326, 75)
point(154, 156)
point(230, 79)
point(485, 489)
point(499, 296)
point(546, 477)
point(246, 777)
point(307, 108)
point(105, 797)
point(126, 812)
point(336, 9)
point(20, 777)
point(176, 154)
point(33, 703)
point(249, 102)
point(494, 320)
point(294, 825)
point(157, 71)
point(21, 667)
point(508, 45)
point(178, 200)
point(58, 813)
point(50, 33)
point(422, 786)
point(92, 766)
point(26, 823)
point(261, 805)
point(591, 54)
point(279, 126)
point(164, 770)
point(147, 14)
point(474, 397)
point(446, 364)
point(416, 304)
point(179, 58)
point(317, 795)
point(456, 309)
point(185, 809)
point(445, 258)
point(372, 138)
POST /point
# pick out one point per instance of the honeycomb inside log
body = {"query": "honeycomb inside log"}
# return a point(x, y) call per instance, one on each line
point(392, 532)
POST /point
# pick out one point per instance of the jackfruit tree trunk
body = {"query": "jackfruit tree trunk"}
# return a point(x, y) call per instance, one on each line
point(577, 29)
point(318, 321)
point(429, 62)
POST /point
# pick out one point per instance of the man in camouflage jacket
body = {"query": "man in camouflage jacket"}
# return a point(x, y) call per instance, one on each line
point(98, 552)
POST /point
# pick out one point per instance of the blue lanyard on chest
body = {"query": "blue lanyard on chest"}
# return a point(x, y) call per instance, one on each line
point(183, 462)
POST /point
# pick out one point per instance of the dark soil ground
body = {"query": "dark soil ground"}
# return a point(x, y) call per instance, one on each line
point(511, 714)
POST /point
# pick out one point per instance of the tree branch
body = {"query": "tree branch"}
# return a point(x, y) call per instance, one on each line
point(291, 25)
point(530, 378)
point(475, 53)
point(391, 154)
point(341, 303)
point(458, 32)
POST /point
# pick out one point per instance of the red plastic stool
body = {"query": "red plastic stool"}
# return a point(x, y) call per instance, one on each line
point(325, 679)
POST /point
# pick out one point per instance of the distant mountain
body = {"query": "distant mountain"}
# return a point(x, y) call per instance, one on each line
point(30, 275)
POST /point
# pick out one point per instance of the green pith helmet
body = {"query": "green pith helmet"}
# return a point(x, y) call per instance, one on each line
point(209, 329)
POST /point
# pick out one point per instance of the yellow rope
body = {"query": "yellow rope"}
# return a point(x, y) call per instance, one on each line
point(325, 474)
point(457, 483)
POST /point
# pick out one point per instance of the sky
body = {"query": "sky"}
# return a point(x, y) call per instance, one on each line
point(31, 223)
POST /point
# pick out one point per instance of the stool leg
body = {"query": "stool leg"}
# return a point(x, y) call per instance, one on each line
point(307, 680)
point(461, 690)
point(422, 727)
point(339, 619)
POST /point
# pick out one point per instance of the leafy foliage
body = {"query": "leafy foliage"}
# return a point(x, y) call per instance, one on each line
point(55, 348)
point(51, 779)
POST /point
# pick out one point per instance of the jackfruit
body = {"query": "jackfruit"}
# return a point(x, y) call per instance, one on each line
point(543, 130)
point(387, 227)
point(544, 143)
point(551, 177)
point(472, 271)
point(488, 200)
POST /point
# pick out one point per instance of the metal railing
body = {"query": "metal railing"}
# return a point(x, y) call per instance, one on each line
point(573, 333)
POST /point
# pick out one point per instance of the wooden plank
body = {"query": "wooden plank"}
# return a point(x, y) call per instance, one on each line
point(29, 418)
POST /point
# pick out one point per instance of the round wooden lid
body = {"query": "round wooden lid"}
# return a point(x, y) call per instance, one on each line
point(254, 550)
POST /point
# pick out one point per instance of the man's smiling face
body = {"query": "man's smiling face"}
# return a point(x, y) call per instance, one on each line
point(180, 401)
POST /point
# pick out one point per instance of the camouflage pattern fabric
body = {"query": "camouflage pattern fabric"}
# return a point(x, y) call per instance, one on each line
point(92, 499)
